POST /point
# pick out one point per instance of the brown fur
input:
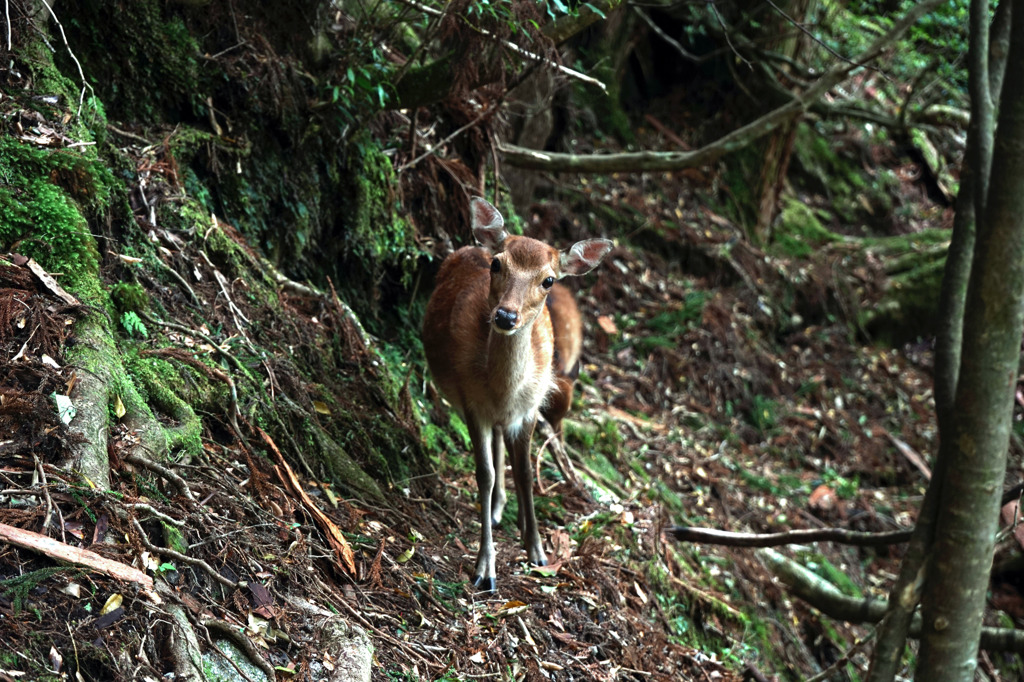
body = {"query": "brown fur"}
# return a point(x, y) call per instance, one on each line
point(568, 334)
point(490, 345)
point(474, 367)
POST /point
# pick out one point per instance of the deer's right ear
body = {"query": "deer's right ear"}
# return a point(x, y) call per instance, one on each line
point(488, 225)
point(584, 256)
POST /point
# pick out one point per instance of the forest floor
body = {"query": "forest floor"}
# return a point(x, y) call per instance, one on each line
point(705, 400)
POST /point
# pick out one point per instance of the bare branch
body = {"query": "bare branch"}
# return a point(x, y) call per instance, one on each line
point(808, 33)
point(518, 50)
point(737, 139)
point(683, 52)
point(81, 74)
point(840, 535)
point(440, 145)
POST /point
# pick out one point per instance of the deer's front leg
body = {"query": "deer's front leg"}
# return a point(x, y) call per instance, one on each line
point(481, 437)
point(498, 496)
point(522, 472)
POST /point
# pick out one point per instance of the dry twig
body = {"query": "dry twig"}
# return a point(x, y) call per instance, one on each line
point(841, 535)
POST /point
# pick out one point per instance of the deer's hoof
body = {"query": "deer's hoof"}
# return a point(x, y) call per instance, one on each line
point(484, 584)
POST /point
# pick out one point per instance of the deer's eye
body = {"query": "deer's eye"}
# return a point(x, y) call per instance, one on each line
point(548, 282)
point(495, 266)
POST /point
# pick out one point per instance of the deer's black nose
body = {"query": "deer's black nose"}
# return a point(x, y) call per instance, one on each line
point(505, 319)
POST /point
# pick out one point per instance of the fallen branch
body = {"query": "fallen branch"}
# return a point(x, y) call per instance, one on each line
point(333, 534)
point(634, 162)
point(160, 470)
point(826, 597)
point(169, 553)
point(54, 549)
point(713, 536)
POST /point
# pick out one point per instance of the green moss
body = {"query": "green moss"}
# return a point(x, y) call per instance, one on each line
point(160, 384)
point(234, 261)
point(188, 215)
point(837, 576)
point(798, 232)
point(740, 180)
point(339, 464)
point(910, 243)
point(42, 222)
point(174, 538)
point(830, 171)
point(122, 44)
point(129, 297)
point(855, 196)
point(45, 195)
point(461, 430)
point(910, 306)
point(377, 238)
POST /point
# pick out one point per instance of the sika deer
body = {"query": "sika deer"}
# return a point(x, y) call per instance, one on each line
point(490, 345)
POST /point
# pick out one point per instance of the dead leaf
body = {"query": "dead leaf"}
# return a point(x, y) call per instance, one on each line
point(106, 620)
point(331, 531)
point(607, 325)
point(549, 570)
point(50, 283)
point(561, 543)
point(511, 608)
point(113, 602)
point(260, 595)
point(822, 499)
point(639, 592)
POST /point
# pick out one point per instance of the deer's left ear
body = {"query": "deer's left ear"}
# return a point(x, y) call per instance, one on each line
point(488, 225)
point(584, 256)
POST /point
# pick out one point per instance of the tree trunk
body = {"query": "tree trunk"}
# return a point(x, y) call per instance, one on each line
point(953, 600)
point(779, 148)
point(986, 70)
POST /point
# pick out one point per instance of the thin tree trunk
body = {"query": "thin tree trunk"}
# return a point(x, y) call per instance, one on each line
point(986, 70)
point(953, 600)
point(777, 155)
point(779, 148)
point(970, 204)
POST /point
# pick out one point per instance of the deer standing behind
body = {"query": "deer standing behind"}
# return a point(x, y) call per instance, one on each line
point(491, 348)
